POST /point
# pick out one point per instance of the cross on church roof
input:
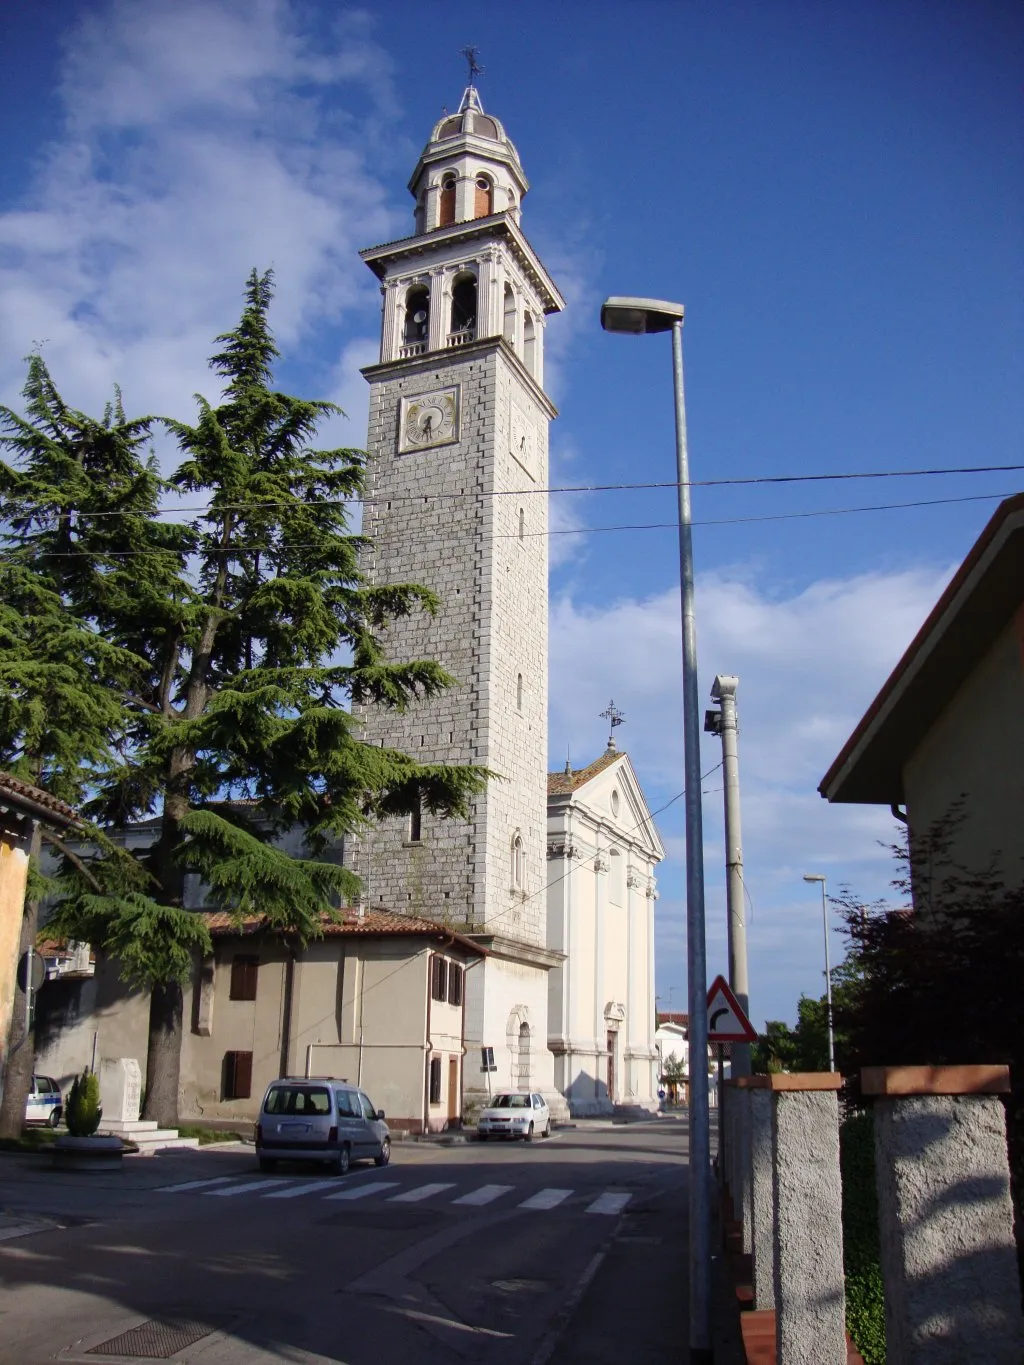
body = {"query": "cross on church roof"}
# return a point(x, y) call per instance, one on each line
point(614, 717)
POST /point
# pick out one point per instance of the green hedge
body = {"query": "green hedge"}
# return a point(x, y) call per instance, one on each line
point(865, 1304)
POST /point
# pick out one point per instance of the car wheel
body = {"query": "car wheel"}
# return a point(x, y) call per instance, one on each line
point(547, 1131)
point(385, 1153)
point(267, 1163)
point(529, 1133)
point(54, 1119)
point(343, 1162)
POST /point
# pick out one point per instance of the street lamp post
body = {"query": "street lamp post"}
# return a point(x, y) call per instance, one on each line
point(637, 317)
point(817, 877)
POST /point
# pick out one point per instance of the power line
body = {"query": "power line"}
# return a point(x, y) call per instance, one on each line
point(753, 481)
point(253, 546)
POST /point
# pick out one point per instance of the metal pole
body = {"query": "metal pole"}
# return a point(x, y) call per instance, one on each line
point(725, 692)
point(828, 983)
point(700, 1124)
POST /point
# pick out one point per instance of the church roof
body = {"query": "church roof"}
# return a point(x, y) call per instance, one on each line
point(471, 120)
point(565, 783)
point(370, 924)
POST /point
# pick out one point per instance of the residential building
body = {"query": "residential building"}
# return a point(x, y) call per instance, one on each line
point(944, 738)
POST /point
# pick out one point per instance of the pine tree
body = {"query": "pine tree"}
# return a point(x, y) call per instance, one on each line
point(62, 682)
point(255, 643)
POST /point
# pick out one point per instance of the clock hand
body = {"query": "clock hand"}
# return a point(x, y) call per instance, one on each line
point(428, 424)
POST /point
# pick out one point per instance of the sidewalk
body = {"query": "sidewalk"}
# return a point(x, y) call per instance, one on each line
point(632, 1307)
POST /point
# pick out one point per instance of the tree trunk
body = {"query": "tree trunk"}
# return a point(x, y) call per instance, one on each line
point(21, 1049)
point(163, 1059)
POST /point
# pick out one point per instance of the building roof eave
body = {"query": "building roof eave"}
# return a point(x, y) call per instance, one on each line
point(978, 602)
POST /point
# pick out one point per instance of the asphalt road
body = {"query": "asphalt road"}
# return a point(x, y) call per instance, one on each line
point(476, 1253)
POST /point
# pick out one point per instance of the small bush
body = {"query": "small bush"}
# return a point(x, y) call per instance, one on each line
point(83, 1108)
point(865, 1301)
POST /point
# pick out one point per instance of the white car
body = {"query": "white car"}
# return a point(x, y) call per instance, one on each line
point(44, 1103)
point(515, 1115)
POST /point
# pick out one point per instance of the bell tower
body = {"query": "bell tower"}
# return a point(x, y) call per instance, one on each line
point(458, 465)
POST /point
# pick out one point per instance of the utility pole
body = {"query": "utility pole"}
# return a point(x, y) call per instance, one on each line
point(723, 724)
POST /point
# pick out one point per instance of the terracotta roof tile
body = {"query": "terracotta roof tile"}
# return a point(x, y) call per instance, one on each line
point(15, 788)
point(373, 923)
point(564, 784)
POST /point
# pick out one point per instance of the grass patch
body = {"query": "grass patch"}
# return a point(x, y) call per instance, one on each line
point(865, 1301)
point(31, 1140)
point(207, 1136)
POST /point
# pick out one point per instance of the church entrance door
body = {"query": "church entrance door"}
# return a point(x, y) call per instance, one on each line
point(611, 1037)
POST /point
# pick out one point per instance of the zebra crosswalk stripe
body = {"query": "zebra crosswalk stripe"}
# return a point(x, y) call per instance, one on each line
point(421, 1192)
point(545, 1199)
point(612, 1201)
point(246, 1188)
point(361, 1191)
point(486, 1194)
point(193, 1184)
point(307, 1187)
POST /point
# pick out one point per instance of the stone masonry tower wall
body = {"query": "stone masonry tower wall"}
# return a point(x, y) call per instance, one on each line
point(458, 456)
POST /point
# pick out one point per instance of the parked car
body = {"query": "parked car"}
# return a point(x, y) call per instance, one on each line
point(45, 1103)
point(512, 1115)
point(320, 1119)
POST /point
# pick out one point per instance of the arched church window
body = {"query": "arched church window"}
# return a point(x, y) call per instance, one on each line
point(463, 308)
point(417, 314)
point(529, 342)
point(519, 691)
point(446, 209)
point(522, 523)
point(483, 197)
point(508, 329)
point(518, 863)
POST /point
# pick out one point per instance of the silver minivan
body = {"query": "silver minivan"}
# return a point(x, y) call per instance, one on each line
point(316, 1118)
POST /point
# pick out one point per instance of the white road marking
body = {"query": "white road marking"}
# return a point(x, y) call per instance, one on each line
point(486, 1194)
point(361, 1191)
point(545, 1199)
point(193, 1185)
point(422, 1192)
point(609, 1202)
point(307, 1187)
point(243, 1189)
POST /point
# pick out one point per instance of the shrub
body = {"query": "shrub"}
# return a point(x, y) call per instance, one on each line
point(83, 1108)
point(865, 1302)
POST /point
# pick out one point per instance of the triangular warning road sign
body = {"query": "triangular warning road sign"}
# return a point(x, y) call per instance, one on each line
point(726, 1021)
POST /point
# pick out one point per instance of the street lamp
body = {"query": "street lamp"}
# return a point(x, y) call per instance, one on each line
point(817, 877)
point(637, 317)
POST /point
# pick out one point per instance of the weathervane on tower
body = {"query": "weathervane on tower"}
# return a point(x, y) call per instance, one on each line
point(475, 69)
point(614, 717)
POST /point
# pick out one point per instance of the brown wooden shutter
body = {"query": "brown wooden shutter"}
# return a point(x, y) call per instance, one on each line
point(454, 984)
point(237, 1075)
point(446, 216)
point(435, 1080)
point(244, 976)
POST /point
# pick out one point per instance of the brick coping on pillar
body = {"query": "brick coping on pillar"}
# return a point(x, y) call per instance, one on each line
point(935, 1080)
point(791, 1080)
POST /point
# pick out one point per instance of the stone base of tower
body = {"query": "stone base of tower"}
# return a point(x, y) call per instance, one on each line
point(507, 1015)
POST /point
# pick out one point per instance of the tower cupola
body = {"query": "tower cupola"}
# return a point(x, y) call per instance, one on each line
point(469, 169)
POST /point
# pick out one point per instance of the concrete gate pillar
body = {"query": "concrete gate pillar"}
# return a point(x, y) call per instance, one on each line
point(945, 1220)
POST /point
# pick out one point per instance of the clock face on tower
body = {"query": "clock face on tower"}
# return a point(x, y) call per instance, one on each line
point(429, 419)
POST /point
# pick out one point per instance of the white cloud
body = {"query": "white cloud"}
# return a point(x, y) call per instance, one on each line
point(809, 663)
point(199, 140)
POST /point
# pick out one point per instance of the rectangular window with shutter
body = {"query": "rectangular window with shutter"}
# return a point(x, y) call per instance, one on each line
point(454, 983)
point(244, 971)
point(237, 1075)
point(438, 978)
point(435, 1080)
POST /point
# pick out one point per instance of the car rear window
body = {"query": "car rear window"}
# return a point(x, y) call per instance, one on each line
point(298, 1099)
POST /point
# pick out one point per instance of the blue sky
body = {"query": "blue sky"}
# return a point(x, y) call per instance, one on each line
point(834, 191)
